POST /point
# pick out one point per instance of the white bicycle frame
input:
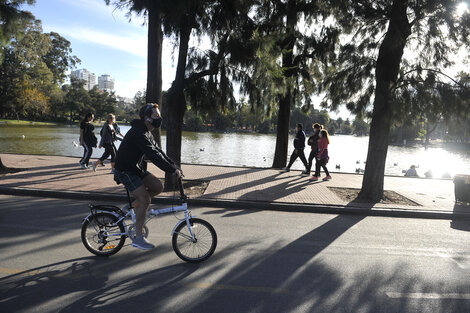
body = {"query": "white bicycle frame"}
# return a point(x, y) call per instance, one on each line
point(151, 213)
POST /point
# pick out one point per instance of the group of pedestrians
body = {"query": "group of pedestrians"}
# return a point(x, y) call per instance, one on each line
point(109, 134)
point(318, 142)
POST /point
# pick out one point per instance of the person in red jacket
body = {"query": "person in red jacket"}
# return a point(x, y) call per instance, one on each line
point(322, 156)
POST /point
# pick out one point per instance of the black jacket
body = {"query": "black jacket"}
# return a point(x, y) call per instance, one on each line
point(88, 134)
point(108, 136)
point(137, 146)
point(299, 140)
point(313, 141)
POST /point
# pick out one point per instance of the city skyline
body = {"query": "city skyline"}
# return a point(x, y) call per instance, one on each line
point(105, 82)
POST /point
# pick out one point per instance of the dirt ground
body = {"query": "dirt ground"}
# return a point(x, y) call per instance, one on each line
point(390, 197)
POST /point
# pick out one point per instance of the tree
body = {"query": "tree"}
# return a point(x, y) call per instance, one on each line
point(77, 100)
point(360, 127)
point(300, 50)
point(371, 64)
point(153, 12)
point(59, 57)
point(13, 20)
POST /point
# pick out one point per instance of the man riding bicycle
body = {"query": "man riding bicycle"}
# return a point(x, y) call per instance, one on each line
point(138, 146)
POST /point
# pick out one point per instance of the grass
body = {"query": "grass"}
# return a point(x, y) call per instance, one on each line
point(23, 122)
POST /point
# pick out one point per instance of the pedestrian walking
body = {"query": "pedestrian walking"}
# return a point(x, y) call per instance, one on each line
point(87, 139)
point(299, 146)
point(322, 156)
point(313, 142)
point(109, 134)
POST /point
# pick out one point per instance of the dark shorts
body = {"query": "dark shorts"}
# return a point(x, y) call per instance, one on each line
point(131, 180)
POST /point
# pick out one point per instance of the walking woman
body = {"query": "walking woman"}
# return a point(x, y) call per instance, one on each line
point(109, 134)
point(87, 139)
point(313, 142)
point(322, 156)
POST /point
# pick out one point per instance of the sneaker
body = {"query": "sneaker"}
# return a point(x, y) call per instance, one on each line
point(142, 243)
point(313, 178)
point(112, 171)
point(102, 164)
point(327, 178)
point(305, 173)
point(285, 169)
point(84, 167)
point(94, 166)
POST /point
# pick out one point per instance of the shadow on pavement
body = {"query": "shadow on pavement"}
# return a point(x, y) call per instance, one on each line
point(285, 277)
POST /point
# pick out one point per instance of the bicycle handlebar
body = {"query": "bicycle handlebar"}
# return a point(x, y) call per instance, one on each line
point(180, 186)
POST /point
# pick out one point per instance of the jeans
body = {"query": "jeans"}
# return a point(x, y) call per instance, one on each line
point(312, 156)
point(321, 163)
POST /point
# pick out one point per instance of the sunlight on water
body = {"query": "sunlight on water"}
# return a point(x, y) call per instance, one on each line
point(239, 149)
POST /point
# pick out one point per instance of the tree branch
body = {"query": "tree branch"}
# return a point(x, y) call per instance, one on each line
point(214, 68)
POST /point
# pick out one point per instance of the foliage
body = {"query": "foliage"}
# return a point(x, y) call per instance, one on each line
point(12, 19)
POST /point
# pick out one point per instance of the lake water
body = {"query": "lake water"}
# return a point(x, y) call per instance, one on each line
point(241, 149)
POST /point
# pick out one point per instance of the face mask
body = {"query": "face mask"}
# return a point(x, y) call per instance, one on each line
point(156, 123)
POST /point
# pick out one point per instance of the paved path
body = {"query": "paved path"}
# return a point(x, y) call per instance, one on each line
point(234, 186)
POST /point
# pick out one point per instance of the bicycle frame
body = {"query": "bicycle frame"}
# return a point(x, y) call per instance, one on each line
point(151, 213)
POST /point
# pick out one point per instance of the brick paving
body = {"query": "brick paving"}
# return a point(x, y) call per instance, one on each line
point(58, 173)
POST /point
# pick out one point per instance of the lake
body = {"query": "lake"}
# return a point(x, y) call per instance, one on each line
point(243, 149)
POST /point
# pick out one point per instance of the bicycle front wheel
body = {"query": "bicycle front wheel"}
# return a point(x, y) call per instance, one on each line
point(199, 249)
point(101, 235)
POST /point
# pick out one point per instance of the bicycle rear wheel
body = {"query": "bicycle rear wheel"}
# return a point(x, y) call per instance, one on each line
point(101, 235)
point(198, 250)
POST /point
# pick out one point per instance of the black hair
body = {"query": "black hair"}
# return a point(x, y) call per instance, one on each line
point(300, 125)
point(85, 119)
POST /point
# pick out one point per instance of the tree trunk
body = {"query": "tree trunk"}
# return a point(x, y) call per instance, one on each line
point(388, 65)
point(154, 64)
point(283, 118)
point(177, 104)
point(282, 137)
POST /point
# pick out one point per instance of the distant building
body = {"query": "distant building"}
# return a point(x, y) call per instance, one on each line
point(87, 76)
point(106, 83)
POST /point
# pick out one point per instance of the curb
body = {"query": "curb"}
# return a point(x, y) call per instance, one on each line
point(253, 205)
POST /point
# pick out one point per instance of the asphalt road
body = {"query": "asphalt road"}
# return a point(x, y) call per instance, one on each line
point(265, 262)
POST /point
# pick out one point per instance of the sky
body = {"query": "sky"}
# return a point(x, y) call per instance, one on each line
point(105, 41)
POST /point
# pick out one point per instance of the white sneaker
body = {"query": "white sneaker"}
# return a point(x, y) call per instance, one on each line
point(84, 167)
point(142, 243)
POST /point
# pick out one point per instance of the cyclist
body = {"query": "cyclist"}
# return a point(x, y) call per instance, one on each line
point(138, 146)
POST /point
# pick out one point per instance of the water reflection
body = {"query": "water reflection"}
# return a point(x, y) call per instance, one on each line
point(239, 149)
